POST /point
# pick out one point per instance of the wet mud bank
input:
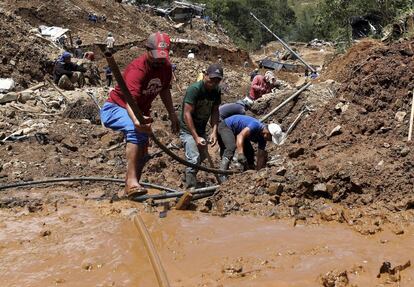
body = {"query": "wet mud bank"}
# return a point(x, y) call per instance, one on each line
point(97, 244)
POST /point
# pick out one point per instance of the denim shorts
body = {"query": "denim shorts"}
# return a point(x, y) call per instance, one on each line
point(117, 118)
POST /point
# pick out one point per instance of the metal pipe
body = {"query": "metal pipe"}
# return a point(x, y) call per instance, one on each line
point(285, 102)
point(284, 44)
point(118, 76)
point(202, 195)
point(205, 190)
point(152, 252)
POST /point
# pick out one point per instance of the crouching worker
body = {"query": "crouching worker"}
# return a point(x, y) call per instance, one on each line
point(67, 74)
point(236, 134)
point(201, 103)
point(238, 108)
point(146, 77)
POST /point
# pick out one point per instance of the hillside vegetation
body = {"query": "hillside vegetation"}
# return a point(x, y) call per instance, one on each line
point(296, 20)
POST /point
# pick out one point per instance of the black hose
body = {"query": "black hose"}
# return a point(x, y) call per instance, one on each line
point(67, 179)
point(134, 107)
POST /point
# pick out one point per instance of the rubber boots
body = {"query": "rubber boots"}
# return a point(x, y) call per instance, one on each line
point(224, 165)
point(190, 180)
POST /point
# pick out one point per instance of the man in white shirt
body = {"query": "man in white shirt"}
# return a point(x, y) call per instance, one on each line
point(190, 55)
point(110, 41)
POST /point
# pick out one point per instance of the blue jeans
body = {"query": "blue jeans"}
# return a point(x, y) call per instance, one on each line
point(192, 153)
point(117, 118)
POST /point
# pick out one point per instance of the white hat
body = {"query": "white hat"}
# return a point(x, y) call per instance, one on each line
point(248, 102)
point(276, 132)
point(270, 77)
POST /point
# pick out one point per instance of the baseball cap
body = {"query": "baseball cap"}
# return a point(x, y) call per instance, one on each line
point(215, 71)
point(66, 55)
point(159, 45)
point(276, 132)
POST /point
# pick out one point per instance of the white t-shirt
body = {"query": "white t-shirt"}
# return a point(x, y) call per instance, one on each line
point(190, 56)
point(110, 42)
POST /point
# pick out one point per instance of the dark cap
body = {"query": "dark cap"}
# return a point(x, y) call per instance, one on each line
point(215, 71)
point(159, 45)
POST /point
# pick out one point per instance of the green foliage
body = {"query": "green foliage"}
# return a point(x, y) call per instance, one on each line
point(333, 19)
point(235, 17)
point(295, 20)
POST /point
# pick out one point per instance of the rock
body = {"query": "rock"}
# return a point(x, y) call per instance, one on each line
point(69, 145)
point(404, 151)
point(45, 233)
point(108, 140)
point(87, 264)
point(336, 131)
point(9, 97)
point(335, 279)
point(329, 213)
point(233, 269)
point(399, 116)
point(321, 190)
point(281, 171)
point(341, 108)
point(25, 96)
point(54, 104)
point(397, 229)
point(275, 189)
point(296, 152)
point(12, 62)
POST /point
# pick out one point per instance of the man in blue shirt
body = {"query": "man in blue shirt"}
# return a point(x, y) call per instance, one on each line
point(236, 134)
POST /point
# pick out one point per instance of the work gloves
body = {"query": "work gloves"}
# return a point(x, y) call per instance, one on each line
point(240, 162)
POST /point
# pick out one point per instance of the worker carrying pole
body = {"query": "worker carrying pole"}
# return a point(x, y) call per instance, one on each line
point(284, 44)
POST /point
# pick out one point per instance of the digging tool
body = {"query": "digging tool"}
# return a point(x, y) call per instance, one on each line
point(152, 252)
point(211, 164)
point(284, 44)
point(410, 130)
point(125, 91)
point(184, 201)
point(92, 95)
point(285, 102)
point(304, 111)
point(56, 88)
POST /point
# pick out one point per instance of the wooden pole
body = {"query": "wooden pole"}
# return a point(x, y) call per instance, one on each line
point(128, 98)
point(152, 252)
point(410, 131)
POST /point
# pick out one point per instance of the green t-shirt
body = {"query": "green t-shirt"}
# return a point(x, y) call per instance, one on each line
point(203, 102)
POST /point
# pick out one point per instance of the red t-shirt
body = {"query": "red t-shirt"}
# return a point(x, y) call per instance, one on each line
point(144, 83)
point(259, 87)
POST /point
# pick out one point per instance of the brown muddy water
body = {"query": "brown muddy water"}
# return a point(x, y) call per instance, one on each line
point(83, 246)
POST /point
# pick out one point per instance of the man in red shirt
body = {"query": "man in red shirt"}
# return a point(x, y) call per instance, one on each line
point(262, 85)
point(146, 77)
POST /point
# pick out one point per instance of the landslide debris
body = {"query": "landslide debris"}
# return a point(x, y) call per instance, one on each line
point(352, 151)
point(22, 55)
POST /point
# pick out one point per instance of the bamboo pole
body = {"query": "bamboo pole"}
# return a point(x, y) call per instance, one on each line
point(284, 44)
point(410, 131)
point(285, 102)
point(152, 252)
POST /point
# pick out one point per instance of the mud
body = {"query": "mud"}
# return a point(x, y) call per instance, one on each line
point(102, 247)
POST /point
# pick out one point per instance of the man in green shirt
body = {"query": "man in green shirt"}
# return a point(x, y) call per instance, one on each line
point(200, 104)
